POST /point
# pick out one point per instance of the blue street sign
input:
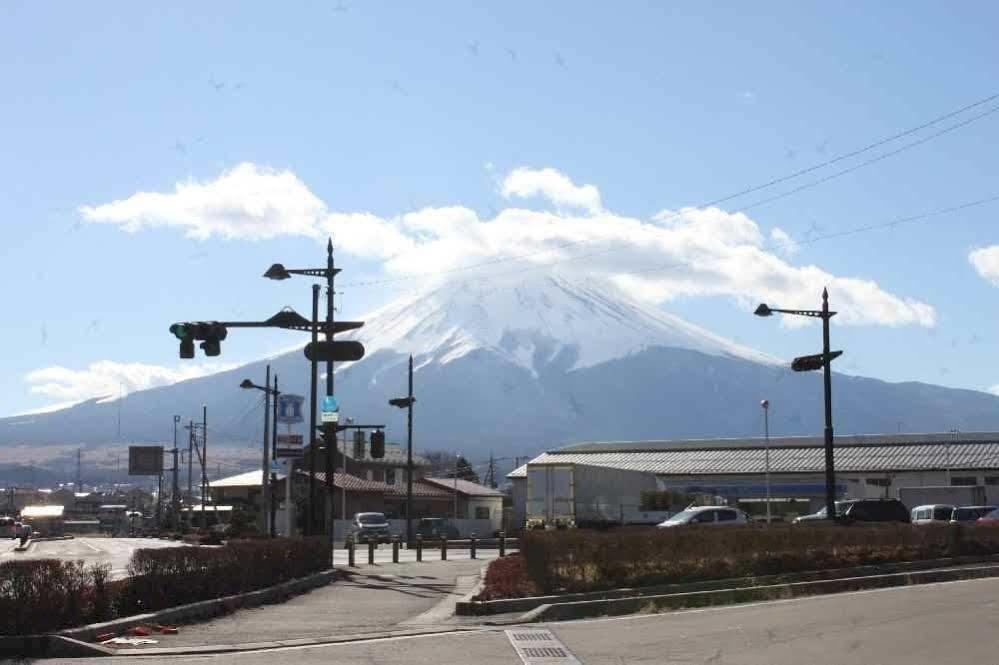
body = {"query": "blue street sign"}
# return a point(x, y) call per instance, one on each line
point(330, 404)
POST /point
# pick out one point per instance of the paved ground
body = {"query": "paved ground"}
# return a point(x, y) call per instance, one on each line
point(116, 551)
point(949, 623)
point(383, 554)
point(373, 599)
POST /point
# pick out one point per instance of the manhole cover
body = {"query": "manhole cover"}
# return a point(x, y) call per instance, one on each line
point(538, 646)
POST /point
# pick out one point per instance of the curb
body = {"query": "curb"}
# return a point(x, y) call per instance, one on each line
point(279, 644)
point(468, 607)
point(204, 609)
point(619, 606)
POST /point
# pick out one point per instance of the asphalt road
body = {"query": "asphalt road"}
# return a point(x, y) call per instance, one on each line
point(116, 551)
point(939, 624)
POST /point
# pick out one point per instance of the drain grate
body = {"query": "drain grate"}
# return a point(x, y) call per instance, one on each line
point(540, 647)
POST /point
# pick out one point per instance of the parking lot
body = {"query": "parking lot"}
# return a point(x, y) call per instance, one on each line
point(115, 551)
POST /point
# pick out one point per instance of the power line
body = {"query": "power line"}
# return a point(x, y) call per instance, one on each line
point(743, 192)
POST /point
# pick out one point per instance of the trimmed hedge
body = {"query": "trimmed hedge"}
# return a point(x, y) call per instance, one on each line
point(507, 578)
point(578, 560)
point(38, 596)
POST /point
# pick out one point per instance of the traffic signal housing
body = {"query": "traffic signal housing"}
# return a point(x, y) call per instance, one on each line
point(210, 332)
point(378, 444)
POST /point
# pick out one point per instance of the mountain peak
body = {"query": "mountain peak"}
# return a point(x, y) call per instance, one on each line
point(534, 322)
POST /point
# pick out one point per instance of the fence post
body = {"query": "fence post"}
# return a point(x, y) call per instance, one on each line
point(350, 554)
point(395, 550)
point(502, 543)
point(371, 552)
point(419, 547)
point(443, 548)
point(471, 546)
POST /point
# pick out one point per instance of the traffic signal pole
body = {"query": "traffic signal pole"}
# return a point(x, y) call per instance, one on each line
point(331, 449)
point(409, 459)
point(827, 395)
point(313, 381)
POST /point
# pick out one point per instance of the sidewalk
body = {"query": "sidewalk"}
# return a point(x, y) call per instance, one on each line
point(365, 600)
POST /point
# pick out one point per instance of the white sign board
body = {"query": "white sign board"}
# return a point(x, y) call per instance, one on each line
point(330, 416)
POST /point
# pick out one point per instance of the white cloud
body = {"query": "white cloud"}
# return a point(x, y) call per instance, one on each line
point(107, 378)
point(247, 201)
point(994, 389)
point(552, 185)
point(692, 252)
point(986, 263)
point(783, 242)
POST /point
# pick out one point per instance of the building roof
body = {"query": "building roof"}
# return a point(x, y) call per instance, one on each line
point(35, 512)
point(351, 483)
point(872, 453)
point(519, 472)
point(248, 479)
point(465, 487)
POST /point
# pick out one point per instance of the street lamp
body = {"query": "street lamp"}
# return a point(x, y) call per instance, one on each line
point(765, 404)
point(809, 363)
point(407, 403)
point(269, 503)
point(278, 272)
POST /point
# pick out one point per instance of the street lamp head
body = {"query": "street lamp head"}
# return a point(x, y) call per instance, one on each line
point(763, 310)
point(765, 404)
point(247, 384)
point(277, 271)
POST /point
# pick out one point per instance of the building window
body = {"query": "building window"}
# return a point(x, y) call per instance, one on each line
point(963, 480)
point(992, 480)
point(481, 513)
point(390, 476)
point(879, 482)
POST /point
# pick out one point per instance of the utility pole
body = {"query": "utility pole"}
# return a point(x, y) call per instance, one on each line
point(274, 480)
point(265, 467)
point(827, 395)
point(407, 403)
point(175, 486)
point(491, 471)
point(204, 465)
point(190, 465)
point(79, 470)
point(766, 434)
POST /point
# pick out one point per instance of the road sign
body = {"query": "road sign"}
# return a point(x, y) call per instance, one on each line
point(290, 409)
point(341, 351)
point(288, 445)
point(330, 403)
point(145, 460)
point(330, 416)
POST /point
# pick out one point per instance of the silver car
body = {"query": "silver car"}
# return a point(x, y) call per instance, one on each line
point(706, 516)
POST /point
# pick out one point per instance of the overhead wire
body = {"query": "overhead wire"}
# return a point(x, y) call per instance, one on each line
point(775, 181)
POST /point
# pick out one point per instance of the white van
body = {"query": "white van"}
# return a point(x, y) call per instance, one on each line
point(932, 513)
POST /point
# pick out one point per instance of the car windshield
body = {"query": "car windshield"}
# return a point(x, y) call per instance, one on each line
point(970, 513)
point(371, 518)
point(684, 516)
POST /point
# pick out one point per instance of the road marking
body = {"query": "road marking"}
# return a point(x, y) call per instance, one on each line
point(539, 646)
point(96, 549)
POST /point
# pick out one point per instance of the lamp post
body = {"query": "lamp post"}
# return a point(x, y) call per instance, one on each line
point(766, 447)
point(407, 403)
point(267, 512)
point(279, 272)
point(809, 363)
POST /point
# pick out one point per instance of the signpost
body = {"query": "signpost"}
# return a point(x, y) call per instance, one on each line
point(330, 410)
point(339, 351)
point(289, 445)
point(290, 409)
point(145, 460)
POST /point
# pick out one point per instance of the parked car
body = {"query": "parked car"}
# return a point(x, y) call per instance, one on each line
point(863, 510)
point(970, 513)
point(706, 515)
point(8, 527)
point(990, 518)
point(370, 528)
point(437, 527)
point(932, 513)
point(841, 506)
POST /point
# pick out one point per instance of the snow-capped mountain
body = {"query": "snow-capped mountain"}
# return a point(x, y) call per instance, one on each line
point(534, 322)
point(520, 365)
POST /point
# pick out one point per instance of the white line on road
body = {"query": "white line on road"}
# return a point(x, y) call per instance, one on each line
point(96, 549)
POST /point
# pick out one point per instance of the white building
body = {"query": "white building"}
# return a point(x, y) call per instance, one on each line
point(609, 477)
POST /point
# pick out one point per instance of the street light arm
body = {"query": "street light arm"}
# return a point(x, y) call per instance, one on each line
point(311, 272)
point(814, 313)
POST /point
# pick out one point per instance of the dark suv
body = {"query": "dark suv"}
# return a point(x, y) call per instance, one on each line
point(863, 510)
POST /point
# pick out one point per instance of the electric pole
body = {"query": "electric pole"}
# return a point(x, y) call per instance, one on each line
point(79, 470)
point(175, 485)
point(204, 463)
point(330, 453)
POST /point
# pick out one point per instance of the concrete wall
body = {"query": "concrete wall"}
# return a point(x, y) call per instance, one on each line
point(494, 504)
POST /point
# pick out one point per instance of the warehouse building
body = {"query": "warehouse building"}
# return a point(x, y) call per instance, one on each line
point(614, 481)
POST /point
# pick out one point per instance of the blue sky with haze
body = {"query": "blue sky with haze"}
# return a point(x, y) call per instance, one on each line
point(348, 116)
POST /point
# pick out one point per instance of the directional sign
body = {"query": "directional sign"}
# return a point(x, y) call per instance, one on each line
point(330, 416)
point(341, 351)
point(330, 403)
point(145, 460)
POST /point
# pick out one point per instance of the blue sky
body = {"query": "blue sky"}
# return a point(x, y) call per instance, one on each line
point(372, 111)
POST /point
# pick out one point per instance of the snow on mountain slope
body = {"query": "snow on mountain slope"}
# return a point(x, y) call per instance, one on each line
point(534, 321)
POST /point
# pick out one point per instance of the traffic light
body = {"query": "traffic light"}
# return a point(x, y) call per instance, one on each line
point(377, 444)
point(211, 332)
point(358, 444)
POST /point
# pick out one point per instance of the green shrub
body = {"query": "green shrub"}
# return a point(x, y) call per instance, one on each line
point(38, 596)
point(580, 560)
